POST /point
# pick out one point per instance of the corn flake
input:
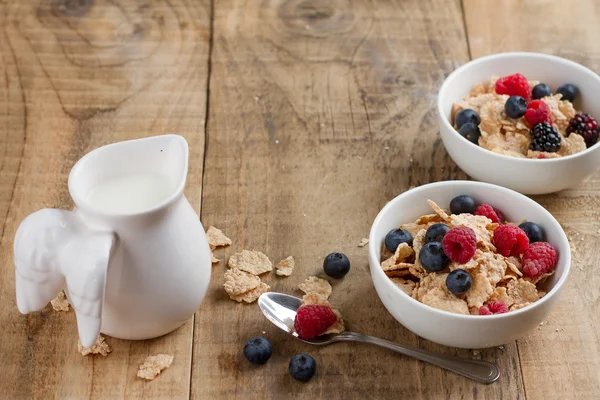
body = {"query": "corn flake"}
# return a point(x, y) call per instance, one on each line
point(444, 300)
point(286, 266)
point(363, 242)
point(60, 302)
point(338, 325)
point(318, 285)
point(251, 261)
point(238, 282)
point(405, 285)
point(100, 347)
point(522, 291)
point(153, 365)
point(216, 238)
point(438, 210)
point(252, 295)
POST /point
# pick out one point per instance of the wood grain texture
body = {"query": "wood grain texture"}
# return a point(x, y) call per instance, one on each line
point(320, 112)
point(564, 353)
point(75, 75)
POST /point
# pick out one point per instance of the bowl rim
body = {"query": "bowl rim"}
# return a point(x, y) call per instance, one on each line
point(374, 258)
point(540, 56)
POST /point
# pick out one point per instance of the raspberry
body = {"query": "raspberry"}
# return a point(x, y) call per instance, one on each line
point(313, 320)
point(514, 85)
point(586, 126)
point(492, 213)
point(539, 259)
point(510, 240)
point(538, 111)
point(459, 244)
point(493, 307)
point(544, 137)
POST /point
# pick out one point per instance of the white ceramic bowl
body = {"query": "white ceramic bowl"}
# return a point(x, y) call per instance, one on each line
point(456, 330)
point(528, 176)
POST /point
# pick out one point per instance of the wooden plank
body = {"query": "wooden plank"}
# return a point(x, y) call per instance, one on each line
point(561, 359)
point(320, 112)
point(75, 75)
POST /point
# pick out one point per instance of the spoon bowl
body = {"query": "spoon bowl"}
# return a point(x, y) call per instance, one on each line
point(281, 310)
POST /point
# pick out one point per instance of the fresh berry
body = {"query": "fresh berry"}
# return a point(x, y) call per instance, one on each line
point(432, 257)
point(397, 236)
point(258, 350)
point(459, 281)
point(313, 320)
point(462, 204)
point(540, 90)
point(460, 244)
point(538, 111)
point(544, 137)
point(510, 240)
point(515, 107)
point(569, 92)
point(533, 231)
point(470, 132)
point(436, 232)
point(466, 115)
point(586, 126)
point(492, 213)
point(336, 265)
point(539, 259)
point(514, 85)
point(493, 307)
point(302, 367)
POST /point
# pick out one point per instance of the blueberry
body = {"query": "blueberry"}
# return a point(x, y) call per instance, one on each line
point(568, 91)
point(258, 350)
point(515, 107)
point(462, 204)
point(465, 116)
point(436, 232)
point(533, 231)
point(471, 132)
point(540, 90)
point(459, 281)
point(336, 265)
point(433, 258)
point(397, 236)
point(302, 367)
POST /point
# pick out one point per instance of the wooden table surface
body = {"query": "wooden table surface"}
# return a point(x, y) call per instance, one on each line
point(303, 118)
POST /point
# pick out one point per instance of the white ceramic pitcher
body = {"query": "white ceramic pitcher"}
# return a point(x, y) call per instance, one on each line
point(132, 257)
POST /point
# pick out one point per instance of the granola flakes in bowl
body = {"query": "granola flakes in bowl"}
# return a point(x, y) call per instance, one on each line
point(502, 303)
point(500, 149)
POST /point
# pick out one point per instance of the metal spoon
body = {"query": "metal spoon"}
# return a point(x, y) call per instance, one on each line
point(281, 309)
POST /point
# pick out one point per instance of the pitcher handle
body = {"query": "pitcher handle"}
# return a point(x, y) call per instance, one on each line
point(54, 248)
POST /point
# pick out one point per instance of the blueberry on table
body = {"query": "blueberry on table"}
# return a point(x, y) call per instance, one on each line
point(533, 231)
point(515, 107)
point(336, 265)
point(569, 91)
point(462, 204)
point(433, 258)
point(436, 232)
point(540, 90)
point(459, 281)
point(397, 236)
point(465, 116)
point(258, 350)
point(302, 367)
point(471, 132)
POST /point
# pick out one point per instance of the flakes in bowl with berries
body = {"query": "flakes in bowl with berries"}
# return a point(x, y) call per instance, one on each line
point(521, 118)
point(469, 259)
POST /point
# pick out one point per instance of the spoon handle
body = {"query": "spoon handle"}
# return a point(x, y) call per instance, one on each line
point(477, 370)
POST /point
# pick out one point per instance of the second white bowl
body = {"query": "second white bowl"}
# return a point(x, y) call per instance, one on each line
point(528, 176)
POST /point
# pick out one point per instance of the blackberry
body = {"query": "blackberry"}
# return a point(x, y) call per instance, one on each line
point(586, 126)
point(544, 137)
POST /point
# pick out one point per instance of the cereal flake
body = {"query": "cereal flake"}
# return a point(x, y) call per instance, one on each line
point(522, 291)
point(60, 302)
point(480, 291)
point(363, 242)
point(100, 347)
point(238, 282)
point(443, 300)
point(318, 285)
point(153, 365)
point(338, 325)
point(252, 295)
point(286, 266)
point(438, 210)
point(216, 238)
point(405, 285)
point(251, 261)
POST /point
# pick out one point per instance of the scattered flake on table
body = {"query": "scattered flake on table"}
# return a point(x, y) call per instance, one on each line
point(251, 261)
point(286, 266)
point(100, 347)
point(60, 302)
point(216, 238)
point(153, 365)
point(363, 242)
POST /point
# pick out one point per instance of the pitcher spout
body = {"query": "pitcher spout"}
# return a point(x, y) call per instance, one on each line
point(131, 177)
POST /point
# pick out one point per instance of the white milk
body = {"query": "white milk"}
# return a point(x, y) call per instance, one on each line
point(130, 193)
